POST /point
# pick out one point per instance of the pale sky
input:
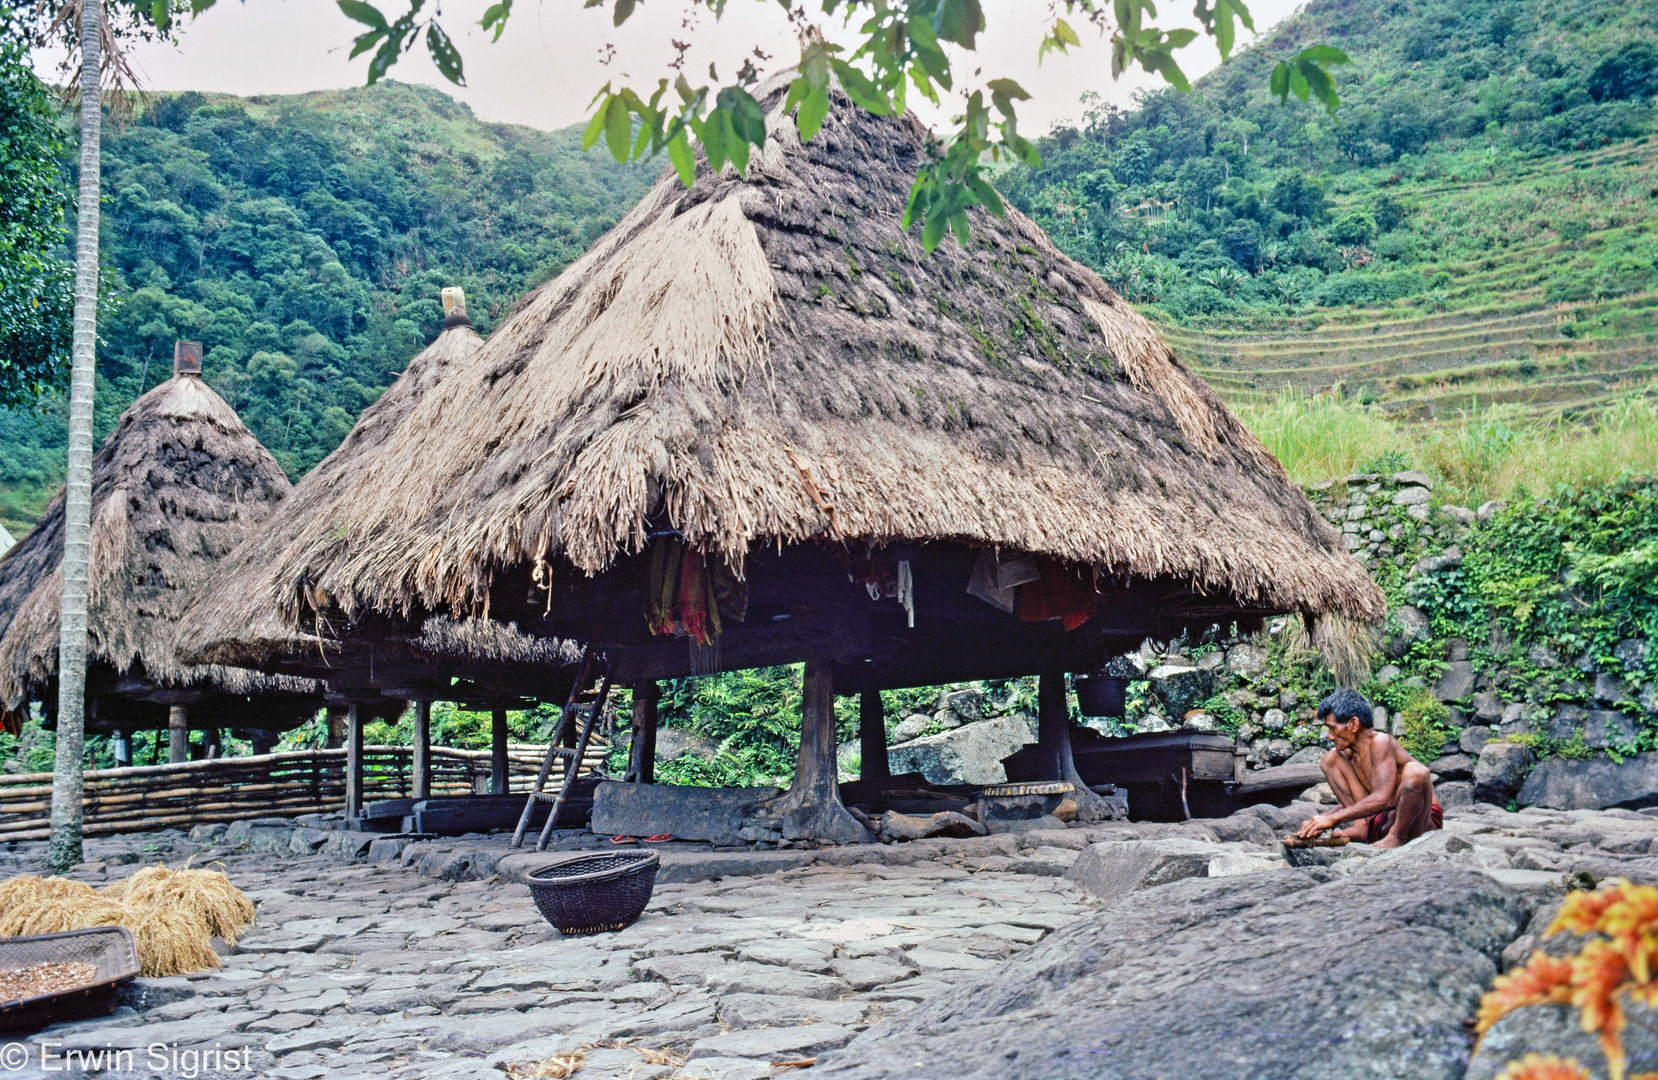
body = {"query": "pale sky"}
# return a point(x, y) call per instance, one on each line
point(547, 66)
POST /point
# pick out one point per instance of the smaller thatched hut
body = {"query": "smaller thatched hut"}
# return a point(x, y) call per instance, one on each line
point(236, 619)
point(174, 488)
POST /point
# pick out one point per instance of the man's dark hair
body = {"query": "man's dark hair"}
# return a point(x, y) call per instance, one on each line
point(1346, 705)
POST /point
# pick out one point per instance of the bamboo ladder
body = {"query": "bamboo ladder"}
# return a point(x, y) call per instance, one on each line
point(557, 749)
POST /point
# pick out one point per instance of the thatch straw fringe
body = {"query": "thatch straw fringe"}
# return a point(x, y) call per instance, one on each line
point(175, 486)
point(772, 359)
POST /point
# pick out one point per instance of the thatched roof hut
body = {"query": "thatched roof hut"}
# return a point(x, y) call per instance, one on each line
point(770, 367)
point(236, 618)
point(178, 484)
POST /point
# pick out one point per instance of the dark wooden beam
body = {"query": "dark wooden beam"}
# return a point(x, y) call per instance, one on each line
point(872, 737)
point(498, 752)
point(642, 751)
point(422, 786)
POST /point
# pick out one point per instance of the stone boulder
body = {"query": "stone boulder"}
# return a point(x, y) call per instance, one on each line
point(1231, 978)
point(1604, 727)
point(1413, 627)
point(677, 742)
point(1114, 869)
point(1179, 686)
point(1501, 771)
point(970, 754)
point(911, 727)
point(1246, 659)
point(1595, 784)
point(1457, 682)
point(1453, 767)
point(1558, 1030)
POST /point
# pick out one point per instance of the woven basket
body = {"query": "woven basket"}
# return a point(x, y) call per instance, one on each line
point(593, 893)
point(111, 948)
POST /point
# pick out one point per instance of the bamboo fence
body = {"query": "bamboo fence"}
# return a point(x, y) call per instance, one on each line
point(286, 784)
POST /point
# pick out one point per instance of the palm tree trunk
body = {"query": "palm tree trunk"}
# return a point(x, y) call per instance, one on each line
point(64, 850)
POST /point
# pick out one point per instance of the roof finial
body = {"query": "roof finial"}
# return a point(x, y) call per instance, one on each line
point(187, 358)
point(454, 307)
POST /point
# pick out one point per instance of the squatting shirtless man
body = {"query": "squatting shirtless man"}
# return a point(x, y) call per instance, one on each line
point(1386, 793)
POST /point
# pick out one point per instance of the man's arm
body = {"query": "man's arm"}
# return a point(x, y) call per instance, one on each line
point(1384, 776)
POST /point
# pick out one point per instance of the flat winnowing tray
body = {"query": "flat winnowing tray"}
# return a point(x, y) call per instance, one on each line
point(112, 949)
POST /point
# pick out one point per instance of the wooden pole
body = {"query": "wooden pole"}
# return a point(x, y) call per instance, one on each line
point(123, 749)
point(646, 698)
point(178, 734)
point(872, 737)
point(213, 738)
point(336, 728)
point(1053, 746)
point(423, 750)
point(353, 763)
point(498, 752)
point(812, 808)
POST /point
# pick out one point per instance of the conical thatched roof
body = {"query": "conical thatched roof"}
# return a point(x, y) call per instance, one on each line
point(177, 484)
point(236, 619)
point(772, 360)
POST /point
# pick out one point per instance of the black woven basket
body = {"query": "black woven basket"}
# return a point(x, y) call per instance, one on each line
point(591, 893)
point(111, 948)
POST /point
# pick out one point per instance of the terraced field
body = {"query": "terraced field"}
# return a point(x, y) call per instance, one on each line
point(1557, 315)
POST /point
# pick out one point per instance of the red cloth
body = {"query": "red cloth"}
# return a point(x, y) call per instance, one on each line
point(1379, 825)
point(1060, 593)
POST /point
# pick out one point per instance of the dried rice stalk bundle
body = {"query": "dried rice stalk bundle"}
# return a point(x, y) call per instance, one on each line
point(207, 894)
point(558, 1067)
point(55, 915)
point(29, 890)
point(172, 942)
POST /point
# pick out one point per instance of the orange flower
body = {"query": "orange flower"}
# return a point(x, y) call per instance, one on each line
point(1600, 975)
point(1541, 1067)
point(1541, 978)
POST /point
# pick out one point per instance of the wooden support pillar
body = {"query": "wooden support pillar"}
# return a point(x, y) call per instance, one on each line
point(336, 727)
point(642, 751)
point(872, 737)
point(422, 787)
point(178, 734)
point(123, 750)
point(1053, 746)
point(498, 752)
point(213, 743)
point(812, 808)
point(155, 748)
point(353, 763)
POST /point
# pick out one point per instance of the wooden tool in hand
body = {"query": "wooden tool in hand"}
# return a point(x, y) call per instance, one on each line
point(1316, 841)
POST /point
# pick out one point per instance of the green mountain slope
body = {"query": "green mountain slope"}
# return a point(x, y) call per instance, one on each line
point(1478, 222)
point(304, 241)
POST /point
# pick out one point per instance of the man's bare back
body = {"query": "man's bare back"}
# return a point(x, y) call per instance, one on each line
point(1386, 794)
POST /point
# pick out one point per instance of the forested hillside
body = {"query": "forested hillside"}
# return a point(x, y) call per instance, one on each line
point(304, 240)
point(1488, 163)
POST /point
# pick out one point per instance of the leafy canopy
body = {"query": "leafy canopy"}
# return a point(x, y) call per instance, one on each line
point(36, 282)
point(902, 46)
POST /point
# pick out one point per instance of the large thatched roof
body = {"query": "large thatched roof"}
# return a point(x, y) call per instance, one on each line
point(177, 484)
point(235, 618)
point(774, 359)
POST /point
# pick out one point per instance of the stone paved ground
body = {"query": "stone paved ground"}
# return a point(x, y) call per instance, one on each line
point(365, 969)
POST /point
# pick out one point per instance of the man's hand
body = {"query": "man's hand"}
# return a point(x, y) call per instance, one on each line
point(1313, 826)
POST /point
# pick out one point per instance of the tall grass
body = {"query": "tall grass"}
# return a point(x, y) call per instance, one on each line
point(1486, 453)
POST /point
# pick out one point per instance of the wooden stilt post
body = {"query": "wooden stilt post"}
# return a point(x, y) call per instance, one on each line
point(336, 727)
point(1053, 746)
point(123, 750)
point(213, 743)
point(642, 755)
point(422, 787)
point(872, 737)
point(812, 808)
point(178, 734)
point(498, 752)
point(353, 763)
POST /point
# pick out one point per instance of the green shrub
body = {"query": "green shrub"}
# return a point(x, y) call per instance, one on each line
point(1423, 718)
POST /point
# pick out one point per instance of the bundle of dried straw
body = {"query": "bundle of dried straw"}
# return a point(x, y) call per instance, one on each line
point(174, 914)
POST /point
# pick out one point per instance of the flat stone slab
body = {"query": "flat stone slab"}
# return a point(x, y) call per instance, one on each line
point(773, 1043)
point(685, 813)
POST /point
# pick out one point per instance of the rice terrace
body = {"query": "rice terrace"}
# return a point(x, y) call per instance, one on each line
point(874, 539)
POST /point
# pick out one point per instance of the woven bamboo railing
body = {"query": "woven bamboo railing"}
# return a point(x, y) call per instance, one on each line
point(143, 797)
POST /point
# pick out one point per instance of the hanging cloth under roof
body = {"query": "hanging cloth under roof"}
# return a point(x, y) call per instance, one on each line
point(689, 597)
point(1060, 592)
